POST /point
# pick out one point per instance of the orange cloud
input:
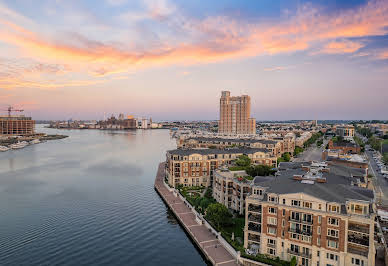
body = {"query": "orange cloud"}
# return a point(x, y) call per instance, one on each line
point(383, 55)
point(211, 40)
point(342, 47)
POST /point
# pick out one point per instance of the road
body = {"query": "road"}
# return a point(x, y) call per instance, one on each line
point(313, 153)
point(381, 184)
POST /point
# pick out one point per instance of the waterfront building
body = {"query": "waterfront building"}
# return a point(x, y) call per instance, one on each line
point(311, 213)
point(194, 167)
point(345, 131)
point(230, 188)
point(235, 115)
point(278, 146)
point(16, 125)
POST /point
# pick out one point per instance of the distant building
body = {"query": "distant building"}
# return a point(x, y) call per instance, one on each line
point(16, 125)
point(345, 131)
point(346, 147)
point(235, 115)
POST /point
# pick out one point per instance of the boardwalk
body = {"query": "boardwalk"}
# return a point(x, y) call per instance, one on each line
point(206, 240)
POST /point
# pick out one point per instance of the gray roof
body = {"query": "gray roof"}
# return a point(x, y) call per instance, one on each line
point(186, 152)
point(384, 148)
point(265, 141)
point(337, 188)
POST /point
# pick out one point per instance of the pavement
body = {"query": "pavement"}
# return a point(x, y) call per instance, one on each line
point(313, 153)
point(380, 183)
point(206, 240)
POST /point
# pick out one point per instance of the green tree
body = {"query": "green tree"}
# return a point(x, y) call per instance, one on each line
point(218, 214)
point(293, 261)
point(259, 170)
point(385, 157)
point(243, 161)
point(286, 157)
point(298, 150)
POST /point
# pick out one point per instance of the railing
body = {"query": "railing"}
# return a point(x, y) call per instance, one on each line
point(300, 220)
point(271, 245)
point(300, 254)
point(358, 252)
point(298, 231)
point(254, 227)
point(254, 208)
point(254, 218)
point(359, 241)
point(358, 229)
point(254, 238)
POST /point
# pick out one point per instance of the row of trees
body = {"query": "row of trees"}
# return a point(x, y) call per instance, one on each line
point(313, 139)
point(244, 163)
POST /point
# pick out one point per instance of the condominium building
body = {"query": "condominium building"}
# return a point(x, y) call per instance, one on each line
point(16, 125)
point(230, 188)
point(278, 146)
point(311, 214)
point(345, 131)
point(194, 167)
point(235, 115)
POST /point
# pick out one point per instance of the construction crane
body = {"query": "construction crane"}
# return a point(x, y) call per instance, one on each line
point(12, 109)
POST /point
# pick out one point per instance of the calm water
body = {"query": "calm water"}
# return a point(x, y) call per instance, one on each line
point(89, 200)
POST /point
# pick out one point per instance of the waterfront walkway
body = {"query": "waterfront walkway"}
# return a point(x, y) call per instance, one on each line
point(202, 236)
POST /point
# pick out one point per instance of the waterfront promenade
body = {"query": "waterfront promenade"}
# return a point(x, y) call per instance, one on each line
point(205, 239)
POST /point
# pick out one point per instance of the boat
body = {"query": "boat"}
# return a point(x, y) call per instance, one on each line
point(35, 141)
point(4, 148)
point(19, 145)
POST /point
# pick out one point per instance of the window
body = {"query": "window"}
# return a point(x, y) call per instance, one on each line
point(334, 208)
point(319, 230)
point(307, 205)
point(272, 220)
point(332, 221)
point(318, 241)
point(272, 210)
point(356, 261)
point(284, 201)
point(284, 212)
point(318, 253)
point(271, 251)
point(295, 203)
point(332, 244)
point(283, 223)
point(320, 206)
point(319, 219)
point(332, 256)
point(271, 241)
point(332, 233)
point(271, 230)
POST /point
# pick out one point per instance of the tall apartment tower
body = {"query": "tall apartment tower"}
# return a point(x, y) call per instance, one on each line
point(235, 115)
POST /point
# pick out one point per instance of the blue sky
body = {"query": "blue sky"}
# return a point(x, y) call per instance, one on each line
point(171, 59)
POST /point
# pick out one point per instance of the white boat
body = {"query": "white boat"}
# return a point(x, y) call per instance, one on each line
point(19, 145)
point(35, 141)
point(4, 148)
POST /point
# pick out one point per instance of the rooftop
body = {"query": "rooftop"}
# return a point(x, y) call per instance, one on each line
point(186, 152)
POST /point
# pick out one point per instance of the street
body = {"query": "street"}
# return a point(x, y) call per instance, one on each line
point(379, 181)
point(313, 153)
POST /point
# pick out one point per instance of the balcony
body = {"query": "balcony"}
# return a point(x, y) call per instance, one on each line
point(253, 208)
point(300, 220)
point(254, 238)
point(300, 254)
point(270, 245)
point(301, 232)
point(254, 218)
point(359, 228)
point(358, 251)
point(359, 240)
point(254, 227)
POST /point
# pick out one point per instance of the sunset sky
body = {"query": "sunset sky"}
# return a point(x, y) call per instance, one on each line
point(170, 59)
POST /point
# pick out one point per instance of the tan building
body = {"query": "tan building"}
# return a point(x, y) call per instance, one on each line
point(235, 115)
point(313, 215)
point(16, 125)
point(230, 188)
point(194, 167)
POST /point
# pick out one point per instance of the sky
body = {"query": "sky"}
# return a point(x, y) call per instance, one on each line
point(170, 59)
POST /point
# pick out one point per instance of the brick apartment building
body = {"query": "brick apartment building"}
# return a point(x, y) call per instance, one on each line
point(194, 167)
point(346, 147)
point(318, 217)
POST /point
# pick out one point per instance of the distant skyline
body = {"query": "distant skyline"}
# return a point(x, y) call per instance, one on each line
point(170, 59)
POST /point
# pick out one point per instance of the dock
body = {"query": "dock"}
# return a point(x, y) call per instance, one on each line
point(207, 240)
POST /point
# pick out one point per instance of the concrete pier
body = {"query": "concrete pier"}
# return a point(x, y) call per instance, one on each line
point(206, 239)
